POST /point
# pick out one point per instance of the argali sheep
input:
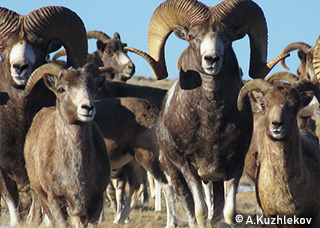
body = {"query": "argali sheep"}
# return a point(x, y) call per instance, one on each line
point(288, 174)
point(25, 41)
point(200, 130)
point(66, 157)
point(316, 59)
point(305, 54)
point(155, 96)
point(128, 127)
point(305, 70)
point(306, 124)
point(109, 54)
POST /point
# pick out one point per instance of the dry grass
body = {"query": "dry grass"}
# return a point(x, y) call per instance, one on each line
point(145, 217)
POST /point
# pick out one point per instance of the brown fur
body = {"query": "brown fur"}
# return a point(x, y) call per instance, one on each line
point(66, 159)
point(128, 127)
point(288, 168)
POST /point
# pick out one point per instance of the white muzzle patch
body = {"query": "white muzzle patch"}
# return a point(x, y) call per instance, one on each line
point(85, 106)
point(211, 50)
point(22, 59)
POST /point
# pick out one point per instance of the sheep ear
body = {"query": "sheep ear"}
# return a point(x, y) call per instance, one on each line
point(100, 45)
point(302, 56)
point(256, 97)
point(181, 32)
point(51, 82)
point(305, 98)
point(239, 33)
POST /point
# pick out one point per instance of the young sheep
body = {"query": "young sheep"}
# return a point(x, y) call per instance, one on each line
point(288, 174)
point(306, 124)
point(66, 157)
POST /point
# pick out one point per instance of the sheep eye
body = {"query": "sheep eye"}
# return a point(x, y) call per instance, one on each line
point(190, 37)
point(262, 106)
point(61, 90)
point(1, 48)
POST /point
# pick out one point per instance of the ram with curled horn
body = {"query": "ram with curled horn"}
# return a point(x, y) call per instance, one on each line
point(110, 53)
point(316, 60)
point(305, 54)
point(25, 42)
point(286, 158)
point(200, 130)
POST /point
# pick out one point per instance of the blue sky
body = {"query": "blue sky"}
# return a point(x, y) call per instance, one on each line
point(288, 21)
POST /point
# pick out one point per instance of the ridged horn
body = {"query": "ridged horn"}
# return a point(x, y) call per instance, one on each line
point(59, 23)
point(291, 78)
point(306, 85)
point(249, 86)
point(58, 54)
point(291, 47)
point(232, 14)
point(9, 22)
point(40, 72)
point(316, 59)
point(94, 34)
point(167, 15)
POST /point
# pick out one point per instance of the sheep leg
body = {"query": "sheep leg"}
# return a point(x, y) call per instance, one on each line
point(230, 189)
point(195, 186)
point(94, 211)
point(34, 215)
point(157, 198)
point(183, 192)
point(112, 196)
point(59, 219)
point(122, 206)
point(151, 185)
point(10, 195)
point(218, 202)
point(152, 164)
point(207, 187)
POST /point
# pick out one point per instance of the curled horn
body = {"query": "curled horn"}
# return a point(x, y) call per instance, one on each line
point(40, 72)
point(169, 14)
point(9, 22)
point(53, 23)
point(291, 47)
point(291, 78)
point(304, 85)
point(316, 59)
point(98, 35)
point(232, 14)
point(249, 86)
point(59, 53)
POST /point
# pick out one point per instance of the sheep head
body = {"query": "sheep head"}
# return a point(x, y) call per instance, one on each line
point(316, 60)
point(74, 89)
point(305, 54)
point(111, 53)
point(25, 40)
point(210, 32)
point(279, 104)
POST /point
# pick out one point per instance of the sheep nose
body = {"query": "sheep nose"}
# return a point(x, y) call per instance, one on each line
point(131, 66)
point(21, 67)
point(87, 107)
point(211, 59)
point(277, 124)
